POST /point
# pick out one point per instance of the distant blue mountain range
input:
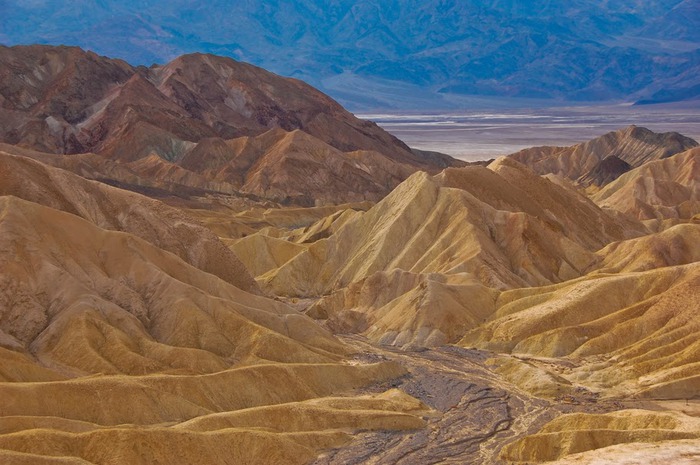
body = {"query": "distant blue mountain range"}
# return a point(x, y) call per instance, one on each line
point(402, 53)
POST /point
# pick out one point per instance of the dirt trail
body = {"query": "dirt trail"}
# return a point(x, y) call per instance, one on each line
point(476, 411)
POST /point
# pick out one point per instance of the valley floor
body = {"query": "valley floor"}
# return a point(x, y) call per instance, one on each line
point(475, 411)
point(489, 133)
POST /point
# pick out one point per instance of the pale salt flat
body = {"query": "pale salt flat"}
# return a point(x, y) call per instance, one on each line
point(486, 134)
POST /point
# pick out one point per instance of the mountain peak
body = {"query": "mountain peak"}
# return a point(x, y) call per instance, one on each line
point(85, 103)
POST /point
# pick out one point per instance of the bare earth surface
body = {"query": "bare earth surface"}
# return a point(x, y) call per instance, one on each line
point(476, 411)
point(306, 289)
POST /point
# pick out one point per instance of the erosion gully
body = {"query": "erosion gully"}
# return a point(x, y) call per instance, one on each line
point(476, 411)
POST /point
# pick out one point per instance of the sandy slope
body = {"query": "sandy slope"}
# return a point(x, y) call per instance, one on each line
point(632, 333)
point(425, 264)
point(116, 209)
point(575, 433)
point(130, 332)
point(161, 343)
point(659, 190)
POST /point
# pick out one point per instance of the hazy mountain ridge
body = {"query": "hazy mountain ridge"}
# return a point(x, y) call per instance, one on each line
point(581, 51)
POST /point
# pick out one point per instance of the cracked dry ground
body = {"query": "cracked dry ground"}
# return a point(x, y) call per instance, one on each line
point(476, 411)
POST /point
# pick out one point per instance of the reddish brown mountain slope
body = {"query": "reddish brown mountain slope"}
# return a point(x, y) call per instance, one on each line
point(66, 100)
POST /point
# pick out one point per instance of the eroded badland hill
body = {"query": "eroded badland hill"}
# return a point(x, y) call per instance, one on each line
point(203, 262)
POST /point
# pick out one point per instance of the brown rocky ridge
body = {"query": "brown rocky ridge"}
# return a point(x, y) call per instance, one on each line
point(199, 121)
